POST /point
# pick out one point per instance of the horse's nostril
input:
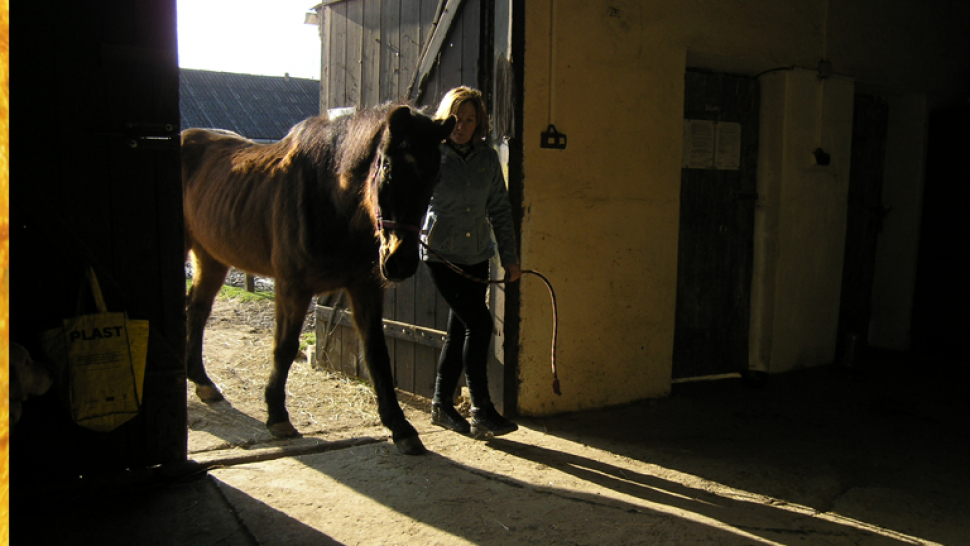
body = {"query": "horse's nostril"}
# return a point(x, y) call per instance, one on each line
point(399, 259)
point(392, 277)
point(396, 269)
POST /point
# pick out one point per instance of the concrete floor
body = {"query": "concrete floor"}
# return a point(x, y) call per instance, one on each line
point(821, 456)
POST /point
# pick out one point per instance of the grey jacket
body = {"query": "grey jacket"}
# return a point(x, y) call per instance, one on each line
point(469, 203)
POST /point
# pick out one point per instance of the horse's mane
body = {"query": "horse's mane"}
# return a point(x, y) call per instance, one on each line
point(347, 144)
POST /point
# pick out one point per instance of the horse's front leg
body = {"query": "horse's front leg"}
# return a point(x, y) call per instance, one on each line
point(291, 308)
point(368, 307)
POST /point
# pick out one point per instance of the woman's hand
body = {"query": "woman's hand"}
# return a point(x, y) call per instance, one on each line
point(512, 272)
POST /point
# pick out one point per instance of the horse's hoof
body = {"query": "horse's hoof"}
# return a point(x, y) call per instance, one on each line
point(283, 430)
point(209, 394)
point(411, 446)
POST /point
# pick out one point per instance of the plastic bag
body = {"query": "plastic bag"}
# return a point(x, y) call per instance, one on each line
point(100, 360)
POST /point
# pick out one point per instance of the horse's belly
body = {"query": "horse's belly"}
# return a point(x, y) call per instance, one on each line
point(237, 242)
point(245, 251)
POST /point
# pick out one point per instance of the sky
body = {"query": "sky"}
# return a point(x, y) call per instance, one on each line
point(264, 37)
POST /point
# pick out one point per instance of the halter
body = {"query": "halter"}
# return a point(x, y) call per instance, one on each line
point(385, 225)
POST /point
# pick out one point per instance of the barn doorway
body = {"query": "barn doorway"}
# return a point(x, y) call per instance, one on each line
point(715, 248)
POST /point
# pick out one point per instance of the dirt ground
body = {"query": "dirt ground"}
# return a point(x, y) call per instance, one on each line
point(238, 355)
point(816, 457)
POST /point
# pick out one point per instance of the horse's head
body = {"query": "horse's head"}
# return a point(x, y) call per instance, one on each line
point(406, 173)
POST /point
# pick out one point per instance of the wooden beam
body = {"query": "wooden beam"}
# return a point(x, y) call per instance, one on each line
point(430, 53)
point(392, 328)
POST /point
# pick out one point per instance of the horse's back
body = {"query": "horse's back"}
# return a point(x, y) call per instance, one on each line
point(199, 145)
point(223, 203)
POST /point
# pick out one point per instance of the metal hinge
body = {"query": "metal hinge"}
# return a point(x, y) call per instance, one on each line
point(151, 136)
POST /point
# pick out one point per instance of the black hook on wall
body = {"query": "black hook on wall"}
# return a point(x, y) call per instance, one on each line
point(551, 138)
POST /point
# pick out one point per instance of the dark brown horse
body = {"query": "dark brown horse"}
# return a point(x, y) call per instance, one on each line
point(334, 205)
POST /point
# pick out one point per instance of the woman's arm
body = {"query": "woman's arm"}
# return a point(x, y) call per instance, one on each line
point(500, 215)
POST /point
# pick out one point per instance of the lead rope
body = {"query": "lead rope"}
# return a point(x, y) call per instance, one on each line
point(552, 295)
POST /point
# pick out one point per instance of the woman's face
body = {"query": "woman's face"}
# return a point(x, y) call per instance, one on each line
point(467, 123)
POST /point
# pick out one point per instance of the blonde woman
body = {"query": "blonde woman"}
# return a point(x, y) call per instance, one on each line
point(469, 203)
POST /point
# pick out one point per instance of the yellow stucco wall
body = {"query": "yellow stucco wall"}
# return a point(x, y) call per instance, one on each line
point(601, 217)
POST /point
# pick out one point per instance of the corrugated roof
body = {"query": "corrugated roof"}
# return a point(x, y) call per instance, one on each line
point(257, 107)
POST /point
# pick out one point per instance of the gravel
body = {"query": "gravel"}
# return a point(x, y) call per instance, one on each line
point(237, 278)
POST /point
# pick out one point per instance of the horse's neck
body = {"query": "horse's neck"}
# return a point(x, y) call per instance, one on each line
point(365, 168)
point(356, 192)
point(354, 164)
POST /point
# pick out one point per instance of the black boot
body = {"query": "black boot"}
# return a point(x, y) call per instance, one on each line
point(445, 415)
point(487, 419)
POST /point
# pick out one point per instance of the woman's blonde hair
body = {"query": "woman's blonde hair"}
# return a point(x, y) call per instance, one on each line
point(453, 100)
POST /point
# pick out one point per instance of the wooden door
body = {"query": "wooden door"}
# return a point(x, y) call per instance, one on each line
point(95, 180)
point(864, 219)
point(415, 315)
point(715, 246)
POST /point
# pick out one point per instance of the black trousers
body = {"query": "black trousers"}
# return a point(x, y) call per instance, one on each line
point(469, 333)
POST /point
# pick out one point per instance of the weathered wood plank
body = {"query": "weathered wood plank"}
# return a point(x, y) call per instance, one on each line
point(393, 329)
point(428, 10)
point(370, 48)
point(410, 45)
point(471, 13)
point(404, 352)
point(349, 350)
point(338, 56)
point(390, 51)
point(425, 308)
point(326, 63)
point(425, 299)
point(355, 23)
point(448, 71)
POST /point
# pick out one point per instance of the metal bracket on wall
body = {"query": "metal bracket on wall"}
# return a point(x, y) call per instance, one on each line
point(151, 136)
point(551, 138)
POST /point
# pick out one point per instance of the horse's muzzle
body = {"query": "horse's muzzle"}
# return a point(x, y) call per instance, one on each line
point(399, 258)
point(395, 272)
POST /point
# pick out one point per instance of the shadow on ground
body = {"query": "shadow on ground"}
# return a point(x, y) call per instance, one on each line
point(883, 444)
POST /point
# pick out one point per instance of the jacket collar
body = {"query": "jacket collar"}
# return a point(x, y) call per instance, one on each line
point(447, 148)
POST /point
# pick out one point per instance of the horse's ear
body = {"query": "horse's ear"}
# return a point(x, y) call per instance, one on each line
point(447, 126)
point(398, 120)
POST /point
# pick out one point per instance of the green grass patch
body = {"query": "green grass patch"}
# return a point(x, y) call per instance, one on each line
point(235, 293)
point(307, 339)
